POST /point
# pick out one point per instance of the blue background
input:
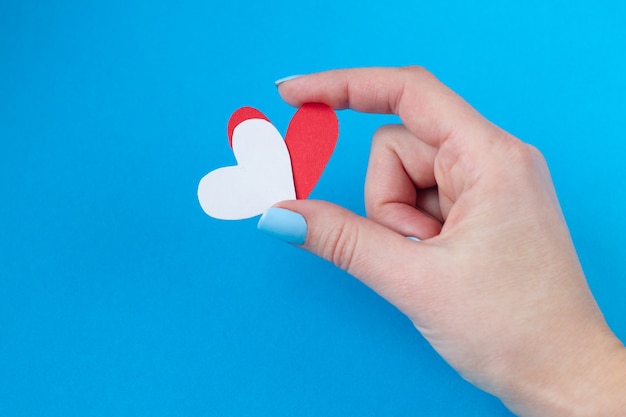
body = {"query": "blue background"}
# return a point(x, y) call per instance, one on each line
point(118, 296)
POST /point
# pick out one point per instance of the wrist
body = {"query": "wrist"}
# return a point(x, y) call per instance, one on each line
point(587, 379)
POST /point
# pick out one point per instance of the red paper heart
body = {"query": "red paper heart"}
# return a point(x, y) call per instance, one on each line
point(310, 139)
point(241, 115)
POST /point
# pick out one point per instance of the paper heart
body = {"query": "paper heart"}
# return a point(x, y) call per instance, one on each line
point(311, 138)
point(261, 178)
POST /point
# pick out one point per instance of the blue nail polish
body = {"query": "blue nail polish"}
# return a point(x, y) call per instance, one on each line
point(283, 224)
point(282, 80)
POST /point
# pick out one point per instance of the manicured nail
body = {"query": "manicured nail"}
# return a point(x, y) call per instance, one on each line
point(282, 80)
point(283, 224)
point(416, 239)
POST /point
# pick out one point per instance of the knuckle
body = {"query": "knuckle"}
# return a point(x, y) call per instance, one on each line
point(525, 156)
point(523, 163)
point(340, 245)
point(537, 154)
point(383, 132)
point(380, 137)
point(417, 71)
point(387, 135)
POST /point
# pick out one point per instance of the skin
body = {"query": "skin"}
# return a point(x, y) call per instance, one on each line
point(495, 285)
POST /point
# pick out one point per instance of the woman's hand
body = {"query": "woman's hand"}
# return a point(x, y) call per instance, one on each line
point(495, 284)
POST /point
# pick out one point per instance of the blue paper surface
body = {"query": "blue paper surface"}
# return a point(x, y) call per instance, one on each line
point(119, 296)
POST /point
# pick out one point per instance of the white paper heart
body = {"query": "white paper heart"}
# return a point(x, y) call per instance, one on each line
point(261, 178)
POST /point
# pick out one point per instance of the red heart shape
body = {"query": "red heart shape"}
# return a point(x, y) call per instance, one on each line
point(241, 115)
point(310, 139)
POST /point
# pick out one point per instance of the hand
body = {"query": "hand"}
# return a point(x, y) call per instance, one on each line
point(495, 284)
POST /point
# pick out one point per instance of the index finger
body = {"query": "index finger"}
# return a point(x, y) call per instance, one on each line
point(429, 109)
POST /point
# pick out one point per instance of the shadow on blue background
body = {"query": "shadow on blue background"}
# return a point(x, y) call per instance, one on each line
point(118, 296)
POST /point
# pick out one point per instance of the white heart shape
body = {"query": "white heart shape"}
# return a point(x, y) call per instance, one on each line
point(261, 178)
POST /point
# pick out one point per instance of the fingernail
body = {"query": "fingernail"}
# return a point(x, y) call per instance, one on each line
point(413, 238)
point(282, 80)
point(283, 224)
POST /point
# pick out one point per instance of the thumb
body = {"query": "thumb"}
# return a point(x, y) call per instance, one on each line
point(365, 249)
